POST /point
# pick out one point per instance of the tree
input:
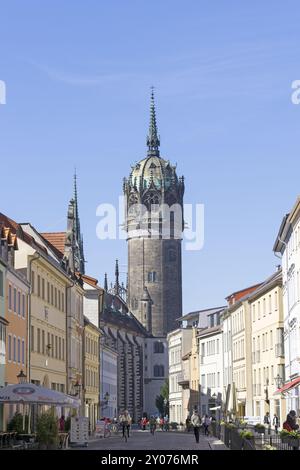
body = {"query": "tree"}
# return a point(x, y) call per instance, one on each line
point(160, 399)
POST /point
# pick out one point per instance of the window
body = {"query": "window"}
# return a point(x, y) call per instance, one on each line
point(270, 304)
point(15, 300)
point(63, 302)
point(39, 286)
point(56, 347)
point(271, 339)
point(171, 255)
point(23, 306)
point(52, 345)
point(264, 307)
point(59, 299)
point(23, 352)
point(158, 347)
point(1, 283)
point(14, 349)
point(9, 297)
point(43, 288)
point(52, 294)
point(63, 349)
point(19, 350)
point(55, 297)
point(158, 371)
point(258, 310)
point(59, 348)
point(253, 312)
point(32, 282)
point(19, 303)
point(38, 340)
point(152, 276)
point(48, 292)
point(32, 338)
point(9, 347)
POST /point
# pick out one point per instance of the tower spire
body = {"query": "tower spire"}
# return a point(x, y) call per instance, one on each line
point(105, 282)
point(153, 141)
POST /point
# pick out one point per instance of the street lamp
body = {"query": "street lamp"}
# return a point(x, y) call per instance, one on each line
point(267, 392)
point(21, 377)
point(279, 381)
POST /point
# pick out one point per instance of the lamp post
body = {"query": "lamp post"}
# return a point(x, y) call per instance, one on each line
point(21, 377)
point(278, 380)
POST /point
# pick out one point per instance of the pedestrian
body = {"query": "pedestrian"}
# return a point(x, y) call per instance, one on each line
point(166, 421)
point(291, 423)
point(276, 423)
point(144, 423)
point(196, 423)
point(207, 422)
point(152, 424)
point(161, 423)
point(62, 424)
point(267, 418)
point(125, 421)
point(188, 423)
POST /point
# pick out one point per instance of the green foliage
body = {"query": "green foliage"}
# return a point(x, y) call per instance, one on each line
point(164, 395)
point(16, 423)
point(230, 425)
point(246, 435)
point(294, 434)
point(268, 447)
point(284, 433)
point(259, 426)
point(47, 429)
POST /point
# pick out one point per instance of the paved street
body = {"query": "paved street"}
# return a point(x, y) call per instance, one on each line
point(143, 440)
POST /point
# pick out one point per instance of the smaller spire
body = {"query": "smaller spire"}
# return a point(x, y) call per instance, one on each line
point(117, 285)
point(105, 282)
point(153, 141)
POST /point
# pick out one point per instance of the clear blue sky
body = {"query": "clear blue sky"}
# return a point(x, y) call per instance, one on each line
point(78, 76)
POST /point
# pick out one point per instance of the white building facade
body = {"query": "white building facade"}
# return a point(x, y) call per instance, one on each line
point(211, 370)
point(287, 245)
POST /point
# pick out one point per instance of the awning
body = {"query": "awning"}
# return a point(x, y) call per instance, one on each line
point(31, 393)
point(215, 408)
point(288, 386)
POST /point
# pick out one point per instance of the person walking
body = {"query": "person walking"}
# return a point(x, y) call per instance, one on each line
point(125, 421)
point(62, 424)
point(207, 422)
point(152, 424)
point(188, 423)
point(196, 423)
point(276, 423)
point(166, 421)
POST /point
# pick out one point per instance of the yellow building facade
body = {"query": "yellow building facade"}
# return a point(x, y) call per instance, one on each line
point(91, 369)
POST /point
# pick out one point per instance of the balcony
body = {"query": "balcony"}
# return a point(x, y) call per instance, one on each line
point(183, 380)
point(279, 350)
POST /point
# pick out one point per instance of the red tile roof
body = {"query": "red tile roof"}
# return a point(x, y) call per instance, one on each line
point(57, 240)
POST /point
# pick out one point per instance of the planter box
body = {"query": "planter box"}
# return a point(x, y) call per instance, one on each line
point(293, 442)
point(285, 440)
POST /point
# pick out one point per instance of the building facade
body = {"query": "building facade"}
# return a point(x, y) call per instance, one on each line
point(211, 368)
point(179, 346)
point(91, 372)
point(267, 347)
point(287, 245)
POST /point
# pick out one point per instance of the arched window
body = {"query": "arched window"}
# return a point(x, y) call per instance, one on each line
point(159, 371)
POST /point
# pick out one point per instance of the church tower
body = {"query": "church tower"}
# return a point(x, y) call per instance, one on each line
point(154, 225)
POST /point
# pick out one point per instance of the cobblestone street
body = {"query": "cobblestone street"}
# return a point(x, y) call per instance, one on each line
point(143, 440)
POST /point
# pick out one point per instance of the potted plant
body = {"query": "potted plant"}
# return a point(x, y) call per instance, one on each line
point(246, 435)
point(294, 438)
point(284, 434)
point(242, 424)
point(16, 424)
point(230, 426)
point(47, 431)
point(259, 428)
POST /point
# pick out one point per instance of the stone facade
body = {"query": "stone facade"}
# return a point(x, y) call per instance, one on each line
point(154, 224)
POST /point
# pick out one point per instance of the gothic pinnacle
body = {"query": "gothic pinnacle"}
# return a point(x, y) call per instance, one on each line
point(153, 141)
